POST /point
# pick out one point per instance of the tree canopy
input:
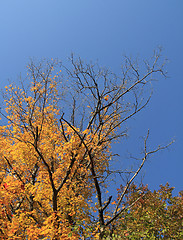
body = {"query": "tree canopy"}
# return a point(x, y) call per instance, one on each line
point(56, 152)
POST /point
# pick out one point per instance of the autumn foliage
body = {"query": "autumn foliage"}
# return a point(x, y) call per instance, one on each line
point(156, 215)
point(54, 164)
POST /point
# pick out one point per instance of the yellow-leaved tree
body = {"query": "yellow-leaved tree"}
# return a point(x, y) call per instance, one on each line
point(55, 148)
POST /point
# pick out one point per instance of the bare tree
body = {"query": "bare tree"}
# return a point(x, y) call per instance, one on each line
point(101, 97)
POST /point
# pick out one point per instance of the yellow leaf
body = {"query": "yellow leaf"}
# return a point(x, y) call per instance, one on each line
point(106, 98)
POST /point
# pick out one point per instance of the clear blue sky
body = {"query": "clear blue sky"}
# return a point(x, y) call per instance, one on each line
point(106, 30)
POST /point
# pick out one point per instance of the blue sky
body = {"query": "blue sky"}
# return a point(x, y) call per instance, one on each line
point(105, 30)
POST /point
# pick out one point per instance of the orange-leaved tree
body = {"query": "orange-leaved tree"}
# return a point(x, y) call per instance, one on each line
point(55, 148)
